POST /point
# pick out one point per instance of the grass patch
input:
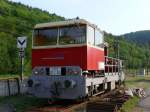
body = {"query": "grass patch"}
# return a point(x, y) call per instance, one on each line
point(6, 76)
point(140, 82)
point(22, 103)
point(134, 82)
point(130, 104)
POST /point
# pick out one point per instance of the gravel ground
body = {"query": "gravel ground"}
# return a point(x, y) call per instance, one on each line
point(145, 102)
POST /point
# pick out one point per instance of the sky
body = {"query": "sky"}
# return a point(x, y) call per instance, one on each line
point(113, 16)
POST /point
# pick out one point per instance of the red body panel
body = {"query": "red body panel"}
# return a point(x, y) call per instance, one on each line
point(85, 57)
point(95, 56)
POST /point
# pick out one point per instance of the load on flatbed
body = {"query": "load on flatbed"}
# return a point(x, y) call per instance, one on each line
point(70, 61)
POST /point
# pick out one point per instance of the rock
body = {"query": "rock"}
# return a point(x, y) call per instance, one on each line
point(140, 92)
point(129, 92)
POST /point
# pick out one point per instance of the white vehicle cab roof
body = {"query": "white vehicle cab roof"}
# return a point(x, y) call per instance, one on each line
point(65, 23)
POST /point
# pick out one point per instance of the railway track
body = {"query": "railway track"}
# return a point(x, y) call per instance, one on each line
point(107, 102)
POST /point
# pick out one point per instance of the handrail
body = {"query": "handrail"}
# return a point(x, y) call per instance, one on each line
point(111, 58)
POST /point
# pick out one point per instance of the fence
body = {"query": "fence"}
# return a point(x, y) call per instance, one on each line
point(12, 86)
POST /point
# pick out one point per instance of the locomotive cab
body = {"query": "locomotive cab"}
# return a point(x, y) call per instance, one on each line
point(68, 60)
point(73, 44)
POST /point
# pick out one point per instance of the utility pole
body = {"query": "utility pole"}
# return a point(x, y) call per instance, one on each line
point(117, 53)
point(116, 48)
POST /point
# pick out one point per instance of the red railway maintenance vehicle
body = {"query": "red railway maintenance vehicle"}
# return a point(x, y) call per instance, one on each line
point(70, 61)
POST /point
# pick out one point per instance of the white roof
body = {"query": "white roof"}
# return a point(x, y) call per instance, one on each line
point(64, 23)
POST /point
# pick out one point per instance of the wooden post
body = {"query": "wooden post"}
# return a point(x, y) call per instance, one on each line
point(18, 85)
point(8, 86)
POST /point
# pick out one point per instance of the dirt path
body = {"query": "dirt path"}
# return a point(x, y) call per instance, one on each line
point(145, 103)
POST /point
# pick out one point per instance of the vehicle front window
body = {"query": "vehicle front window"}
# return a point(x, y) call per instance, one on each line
point(45, 37)
point(72, 35)
point(98, 38)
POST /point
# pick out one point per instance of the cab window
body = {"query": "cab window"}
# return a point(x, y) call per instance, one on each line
point(72, 35)
point(98, 38)
point(45, 37)
point(90, 35)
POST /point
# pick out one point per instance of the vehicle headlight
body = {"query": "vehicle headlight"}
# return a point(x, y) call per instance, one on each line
point(36, 72)
point(73, 71)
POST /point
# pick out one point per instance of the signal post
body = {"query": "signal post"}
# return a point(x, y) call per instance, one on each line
point(21, 44)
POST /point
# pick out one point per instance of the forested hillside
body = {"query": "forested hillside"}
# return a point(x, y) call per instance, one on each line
point(134, 54)
point(140, 37)
point(18, 20)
